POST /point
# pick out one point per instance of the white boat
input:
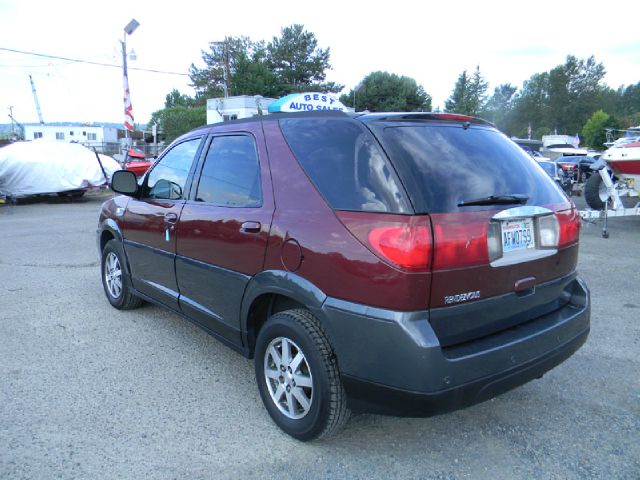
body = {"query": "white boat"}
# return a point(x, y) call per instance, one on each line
point(624, 160)
point(618, 177)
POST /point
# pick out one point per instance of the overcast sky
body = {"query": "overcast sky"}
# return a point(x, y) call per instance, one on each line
point(432, 42)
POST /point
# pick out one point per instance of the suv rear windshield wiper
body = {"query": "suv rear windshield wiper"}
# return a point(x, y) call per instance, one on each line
point(495, 200)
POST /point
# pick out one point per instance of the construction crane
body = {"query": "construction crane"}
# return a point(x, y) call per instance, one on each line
point(35, 99)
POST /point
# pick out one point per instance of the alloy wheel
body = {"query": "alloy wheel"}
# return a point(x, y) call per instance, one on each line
point(288, 378)
point(113, 275)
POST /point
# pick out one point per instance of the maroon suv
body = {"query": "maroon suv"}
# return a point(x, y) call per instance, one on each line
point(408, 264)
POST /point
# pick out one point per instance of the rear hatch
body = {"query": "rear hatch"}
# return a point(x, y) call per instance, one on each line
point(504, 235)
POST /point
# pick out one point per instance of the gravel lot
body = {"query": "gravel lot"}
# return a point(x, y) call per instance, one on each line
point(90, 392)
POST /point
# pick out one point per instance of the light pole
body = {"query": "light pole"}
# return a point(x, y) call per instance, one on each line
point(128, 109)
point(356, 89)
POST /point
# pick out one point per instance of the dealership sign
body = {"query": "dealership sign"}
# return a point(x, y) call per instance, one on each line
point(306, 102)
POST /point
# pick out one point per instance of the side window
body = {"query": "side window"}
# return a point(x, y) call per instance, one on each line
point(169, 176)
point(346, 164)
point(231, 173)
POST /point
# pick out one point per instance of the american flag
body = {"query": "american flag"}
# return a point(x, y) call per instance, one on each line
point(128, 109)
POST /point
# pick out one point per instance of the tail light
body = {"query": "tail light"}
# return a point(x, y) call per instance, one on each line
point(408, 247)
point(404, 241)
point(460, 242)
point(548, 231)
point(569, 222)
point(559, 230)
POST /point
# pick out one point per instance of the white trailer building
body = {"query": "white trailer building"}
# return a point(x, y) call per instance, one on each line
point(233, 108)
point(85, 134)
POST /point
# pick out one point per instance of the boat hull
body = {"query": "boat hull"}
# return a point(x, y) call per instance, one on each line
point(625, 161)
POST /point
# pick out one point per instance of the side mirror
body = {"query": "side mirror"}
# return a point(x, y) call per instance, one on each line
point(125, 182)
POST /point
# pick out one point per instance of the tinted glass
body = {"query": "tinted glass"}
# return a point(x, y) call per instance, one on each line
point(550, 168)
point(169, 176)
point(443, 166)
point(231, 173)
point(346, 164)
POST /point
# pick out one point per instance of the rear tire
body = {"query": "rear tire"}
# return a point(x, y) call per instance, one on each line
point(595, 192)
point(292, 347)
point(115, 278)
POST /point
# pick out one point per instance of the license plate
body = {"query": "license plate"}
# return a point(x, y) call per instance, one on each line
point(517, 235)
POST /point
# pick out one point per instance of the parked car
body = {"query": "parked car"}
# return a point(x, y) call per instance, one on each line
point(407, 264)
point(135, 160)
point(578, 167)
point(555, 171)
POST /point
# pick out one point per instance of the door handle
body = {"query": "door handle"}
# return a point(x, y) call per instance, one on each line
point(250, 227)
point(171, 218)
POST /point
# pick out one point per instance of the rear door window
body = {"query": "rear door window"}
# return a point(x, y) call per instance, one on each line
point(445, 165)
point(346, 164)
point(231, 173)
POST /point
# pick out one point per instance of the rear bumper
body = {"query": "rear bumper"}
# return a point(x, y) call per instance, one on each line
point(393, 363)
point(375, 398)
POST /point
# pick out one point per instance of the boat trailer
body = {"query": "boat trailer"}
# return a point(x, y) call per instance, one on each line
point(613, 205)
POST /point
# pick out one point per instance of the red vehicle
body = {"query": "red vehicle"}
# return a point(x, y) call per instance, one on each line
point(408, 264)
point(136, 162)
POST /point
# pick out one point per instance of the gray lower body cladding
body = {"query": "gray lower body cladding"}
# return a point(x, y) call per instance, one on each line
point(394, 363)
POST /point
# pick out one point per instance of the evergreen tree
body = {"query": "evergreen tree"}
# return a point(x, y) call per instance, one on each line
point(469, 94)
point(387, 92)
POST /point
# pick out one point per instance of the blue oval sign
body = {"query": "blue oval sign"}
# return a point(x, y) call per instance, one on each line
point(306, 102)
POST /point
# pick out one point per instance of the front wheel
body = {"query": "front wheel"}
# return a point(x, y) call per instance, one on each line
point(115, 279)
point(298, 377)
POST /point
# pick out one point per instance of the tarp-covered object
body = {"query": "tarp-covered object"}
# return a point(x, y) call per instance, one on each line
point(50, 166)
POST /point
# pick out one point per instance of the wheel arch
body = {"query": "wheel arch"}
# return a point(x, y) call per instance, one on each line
point(109, 231)
point(274, 291)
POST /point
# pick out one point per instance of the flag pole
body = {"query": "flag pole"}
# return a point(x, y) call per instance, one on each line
point(127, 95)
point(128, 109)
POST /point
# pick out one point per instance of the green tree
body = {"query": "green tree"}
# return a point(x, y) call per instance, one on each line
point(531, 105)
point(628, 100)
point(499, 107)
point(176, 99)
point(469, 94)
point(176, 120)
point(576, 92)
point(563, 98)
point(237, 63)
point(594, 131)
point(252, 76)
point(540, 132)
point(290, 63)
point(388, 92)
point(298, 63)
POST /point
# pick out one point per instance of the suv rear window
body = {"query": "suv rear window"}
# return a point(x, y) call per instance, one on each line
point(444, 165)
point(346, 164)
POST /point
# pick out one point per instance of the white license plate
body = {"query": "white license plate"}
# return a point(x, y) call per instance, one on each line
point(517, 235)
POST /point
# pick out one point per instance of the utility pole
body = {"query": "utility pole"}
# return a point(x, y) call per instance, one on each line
point(356, 89)
point(227, 70)
point(35, 99)
point(226, 67)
